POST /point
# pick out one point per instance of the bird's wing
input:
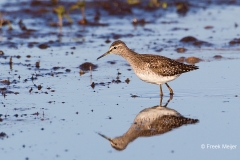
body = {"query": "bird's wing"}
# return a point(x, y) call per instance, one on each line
point(165, 66)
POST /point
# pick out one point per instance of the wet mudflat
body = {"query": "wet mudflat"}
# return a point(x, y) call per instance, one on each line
point(56, 97)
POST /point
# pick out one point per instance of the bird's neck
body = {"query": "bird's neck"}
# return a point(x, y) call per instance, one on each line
point(128, 137)
point(131, 56)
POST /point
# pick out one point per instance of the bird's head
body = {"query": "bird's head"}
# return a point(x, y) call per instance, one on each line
point(116, 47)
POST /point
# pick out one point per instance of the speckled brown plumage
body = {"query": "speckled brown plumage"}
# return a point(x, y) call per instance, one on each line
point(165, 66)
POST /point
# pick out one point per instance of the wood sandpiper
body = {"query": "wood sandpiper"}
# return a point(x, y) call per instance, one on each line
point(150, 68)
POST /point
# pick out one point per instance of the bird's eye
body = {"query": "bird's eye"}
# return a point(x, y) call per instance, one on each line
point(114, 47)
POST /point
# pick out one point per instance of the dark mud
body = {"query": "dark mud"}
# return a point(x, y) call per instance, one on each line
point(194, 41)
point(87, 66)
point(95, 11)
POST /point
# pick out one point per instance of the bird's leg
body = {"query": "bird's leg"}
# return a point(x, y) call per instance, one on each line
point(161, 93)
point(161, 97)
point(170, 89)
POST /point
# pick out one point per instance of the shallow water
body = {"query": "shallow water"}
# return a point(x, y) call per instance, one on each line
point(61, 121)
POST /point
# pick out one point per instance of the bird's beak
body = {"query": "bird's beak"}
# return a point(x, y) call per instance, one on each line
point(104, 55)
point(109, 139)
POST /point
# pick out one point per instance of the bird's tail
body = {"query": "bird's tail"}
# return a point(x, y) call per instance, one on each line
point(187, 68)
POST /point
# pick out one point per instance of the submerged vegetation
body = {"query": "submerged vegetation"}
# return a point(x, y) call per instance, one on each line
point(61, 12)
point(4, 22)
point(81, 6)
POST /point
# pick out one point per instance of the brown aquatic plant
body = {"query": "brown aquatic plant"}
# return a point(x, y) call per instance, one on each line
point(193, 60)
point(127, 80)
point(93, 85)
point(6, 82)
point(54, 1)
point(3, 21)
point(81, 72)
point(38, 64)
point(154, 3)
point(181, 50)
point(39, 87)
point(81, 6)
point(30, 90)
point(133, 2)
point(61, 12)
point(10, 63)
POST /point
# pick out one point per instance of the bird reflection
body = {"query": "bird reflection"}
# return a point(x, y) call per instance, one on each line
point(149, 122)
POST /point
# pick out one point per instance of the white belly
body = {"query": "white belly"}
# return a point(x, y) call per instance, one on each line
point(156, 79)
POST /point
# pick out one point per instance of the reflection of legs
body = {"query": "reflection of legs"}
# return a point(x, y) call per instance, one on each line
point(170, 89)
point(161, 93)
point(170, 98)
